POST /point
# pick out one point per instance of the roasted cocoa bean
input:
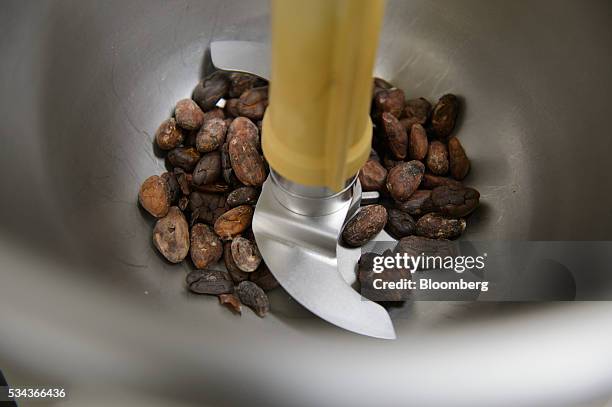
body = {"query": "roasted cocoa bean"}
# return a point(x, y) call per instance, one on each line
point(208, 169)
point(232, 302)
point(210, 90)
point(154, 196)
point(404, 179)
point(389, 100)
point(211, 135)
point(365, 225)
point(459, 162)
point(418, 246)
point(183, 203)
point(231, 107)
point(234, 222)
point(206, 207)
point(417, 111)
point(264, 278)
point(380, 84)
point(431, 181)
point(168, 135)
point(437, 158)
point(171, 236)
point(217, 187)
point(444, 116)
point(367, 276)
point(236, 274)
point(372, 176)
point(246, 162)
point(245, 128)
point(245, 254)
point(183, 180)
point(212, 282)
point(455, 201)
point(240, 83)
point(397, 139)
point(399, 224)
point(184, 157)
point(436, 226)
point(242, 196)
point(417, 142)
point(188, 114)
point(174, 188)
point(389, 162)
point(206, 248)
point(253, 103)
point(216, 113)
point(253, 297)
point(418, 204)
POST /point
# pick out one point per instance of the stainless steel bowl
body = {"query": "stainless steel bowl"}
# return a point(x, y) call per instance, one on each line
point(86, 303)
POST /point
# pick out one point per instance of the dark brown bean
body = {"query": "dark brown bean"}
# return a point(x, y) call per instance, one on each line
point(184, 157)
point(188, 114)
point(436, 226)
point(211, 282)
point(431, 181)
point(171, 236)
point(183, 202)
point(399, 224)
point(389, 162)
point(236, 274)
point(444, 116)
point(417, 110)
point(240, 83)
point(389, 100)
point(216, 187)
point(417, 143)
point(364, 226)
point(437, 158)
point(168, 135)
point(154, 196)
point(232, 302)
point(208, 169)
point(418, 245)
point(231, 107)
point(418, 204)
point(455, 201)
point(367, 276)
point(264, 278)
point(174, 188)
point(253, 103)
point(246, 162)
point(372, 176)
point(253, 297)
point(245, 254)
point(206, 248)
point(206, 207)
point(183, 180)
point(404, 179)
point(216, 113)
point(210, 90)
point(397, 139)
point(242, 196)
point(234, 221)
point(211, 135)
point(459, 162)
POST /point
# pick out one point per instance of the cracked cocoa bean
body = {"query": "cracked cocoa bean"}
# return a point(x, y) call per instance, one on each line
point(183, 180)
point(365, 225)
point(372, 176)
point(437, 226)
point(154, 196)
point(253, 297)
point(206, 248)
point(188, 114)
point(455, 201)
point(431, 181)
point(174, 188)
point(208, 169)
point(236, 274)
point(246, 162)
point(418, 204)
point(211, 282)
point(206, 207)
point(389, 100)
point(216, 187)
point(437, 158)
point(245, 254)
point(184, 157)
point(231, 107)
point(417, 142)
point(211, 135)
point(264, 278)
point(171, 236)
point(459, 162)
point(404, 179)
point(208, 92)
point(168, 135)
point(232, 302)
point(234, 222)
point(397, 139)
point(417, 111)
point(253, 103)
point(444, 116)
point(240, 83)
point(399, 224)
point(242, 196)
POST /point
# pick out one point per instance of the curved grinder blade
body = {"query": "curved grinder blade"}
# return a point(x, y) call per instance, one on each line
point(300, 251)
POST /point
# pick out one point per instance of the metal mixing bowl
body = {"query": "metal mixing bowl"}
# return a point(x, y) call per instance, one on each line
point(86, 302)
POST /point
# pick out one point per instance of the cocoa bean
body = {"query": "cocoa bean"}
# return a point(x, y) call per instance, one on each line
point(232, 302)
point(444, 116)
point(455, 201)
point(154, 196)
point(380, 84)
point(437, 158)
point(231, 107)
point(183, 180)
point(418, 204)
point(234, 222)
point(367, 276)
point(184, 157)
point(206, 207)
point(459, 162)
point(171, 236)
point(208, 92)
point(216, 187)
point(183, 203)
point(206, 248)
point(174, 188)
point(436, 226)
point(372, 176)
point(210, 282)
point(418, 246)
point(253, 297)
point(208, 169)
point(168, 135)
point(211, 135)
point(216, 113)
point(389, 100)
point(417, 143)
point(188, 114)
point(404, 179)
point(431, 181)
point(242, 196)
point(245, 254)
point(236, 274)
point(246, 162)
point(399, 224)
point(240, 83)
point(253, 103)
point(397, 139)
point(264, 278)
point(389, 162)
point(365, 225)
point(417, 111)
point(245, 128)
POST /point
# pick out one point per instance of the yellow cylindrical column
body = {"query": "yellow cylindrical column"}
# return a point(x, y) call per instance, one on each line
point(317, 130)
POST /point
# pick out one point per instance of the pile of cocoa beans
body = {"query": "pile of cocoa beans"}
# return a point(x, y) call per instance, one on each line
point(204, 203)
point(417, 165)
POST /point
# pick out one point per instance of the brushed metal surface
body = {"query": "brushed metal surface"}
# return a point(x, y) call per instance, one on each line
point(84, 298)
